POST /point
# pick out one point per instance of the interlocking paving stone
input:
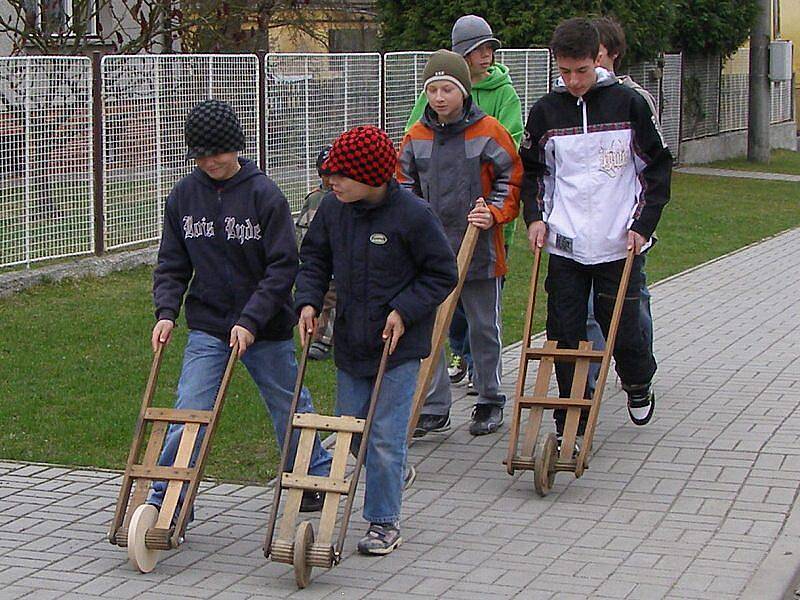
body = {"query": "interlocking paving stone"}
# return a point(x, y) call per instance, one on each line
point(689, 507)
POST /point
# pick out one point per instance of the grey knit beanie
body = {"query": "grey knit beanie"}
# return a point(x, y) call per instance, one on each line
point(444, 65)
point(469, 32)
point(212, 127)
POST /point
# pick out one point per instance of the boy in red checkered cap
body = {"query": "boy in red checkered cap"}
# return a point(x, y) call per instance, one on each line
point(393, 266)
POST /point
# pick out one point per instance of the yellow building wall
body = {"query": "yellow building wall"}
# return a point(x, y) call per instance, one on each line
point(790, 30)
point(289, 39)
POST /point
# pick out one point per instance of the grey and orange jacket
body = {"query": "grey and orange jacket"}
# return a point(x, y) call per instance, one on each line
point(452, 165)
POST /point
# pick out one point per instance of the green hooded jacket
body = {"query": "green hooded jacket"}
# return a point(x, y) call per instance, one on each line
point(497, 97)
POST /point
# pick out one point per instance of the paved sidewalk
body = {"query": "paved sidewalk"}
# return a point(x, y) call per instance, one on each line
point(696, 505)
point(737, 173)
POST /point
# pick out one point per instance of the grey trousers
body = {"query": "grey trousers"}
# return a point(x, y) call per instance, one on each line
point(481, 302)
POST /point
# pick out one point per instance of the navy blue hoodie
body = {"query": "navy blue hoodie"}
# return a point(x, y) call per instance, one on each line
point(384, 256)
point(235, 241)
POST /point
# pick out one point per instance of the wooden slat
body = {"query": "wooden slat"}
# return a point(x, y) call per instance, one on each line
point(540, 387)
point(161, 473)
point(328, 423)
point(151, 454)
point(182, 458)
point(579, 381)
point(565, 354)
point(553, 402)
point(314, 483)
point(174, 415)
point(330, 507)
point(302, 459)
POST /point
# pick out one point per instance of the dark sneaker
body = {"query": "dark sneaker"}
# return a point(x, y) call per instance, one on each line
point(312, 501)
point(486, 418)
point(319, 351)
point(431, 424)
point(457, 369)
point(380, 539)
point(471, 391)
point(409, 477)
point(641, 403)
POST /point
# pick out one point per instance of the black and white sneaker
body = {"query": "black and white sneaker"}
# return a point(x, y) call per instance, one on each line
point(641, 403)
point(471, 391)
point(575, 450)
point(409, 477)
point(312, 501)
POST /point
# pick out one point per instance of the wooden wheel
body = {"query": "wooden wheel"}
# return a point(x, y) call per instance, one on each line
point(544, 470)
point(303, 540)
point(142, 557)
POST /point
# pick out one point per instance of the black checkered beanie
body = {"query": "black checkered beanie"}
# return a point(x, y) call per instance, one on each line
point(212, 127)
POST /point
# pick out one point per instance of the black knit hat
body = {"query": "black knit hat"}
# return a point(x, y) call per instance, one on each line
point(365, 154)
point(212, 127)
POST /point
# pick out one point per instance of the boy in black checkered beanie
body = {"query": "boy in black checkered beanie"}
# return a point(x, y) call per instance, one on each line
point(393, 267)
point(228, 237)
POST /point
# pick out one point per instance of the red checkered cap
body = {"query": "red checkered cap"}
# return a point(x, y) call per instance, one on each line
point(365, 154)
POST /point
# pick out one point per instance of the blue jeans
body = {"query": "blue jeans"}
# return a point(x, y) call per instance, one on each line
point(459, 336)
point(386, 447)
point(272, 366)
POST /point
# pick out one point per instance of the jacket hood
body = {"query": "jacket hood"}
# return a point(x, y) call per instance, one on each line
point(498, 77)
point(472, 114)
point(247, 171)
point(604, 79)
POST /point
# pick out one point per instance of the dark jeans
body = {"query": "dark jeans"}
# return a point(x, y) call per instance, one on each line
point(568, 286)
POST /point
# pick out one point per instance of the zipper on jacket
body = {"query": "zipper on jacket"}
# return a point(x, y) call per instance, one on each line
point(582, 105)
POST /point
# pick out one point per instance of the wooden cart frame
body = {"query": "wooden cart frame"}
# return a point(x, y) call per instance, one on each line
point(547, 460)
point(296, 544)
point(142, 528)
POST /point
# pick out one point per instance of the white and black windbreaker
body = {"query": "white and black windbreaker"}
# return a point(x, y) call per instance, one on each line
point(595, 167)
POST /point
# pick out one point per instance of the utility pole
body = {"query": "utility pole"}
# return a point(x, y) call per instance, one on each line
point(758, 145)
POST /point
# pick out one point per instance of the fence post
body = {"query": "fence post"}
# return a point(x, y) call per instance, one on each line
point(97, 153)
point(262, 110)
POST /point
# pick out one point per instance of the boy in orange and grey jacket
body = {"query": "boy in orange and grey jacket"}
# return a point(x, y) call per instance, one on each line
point(466, 165)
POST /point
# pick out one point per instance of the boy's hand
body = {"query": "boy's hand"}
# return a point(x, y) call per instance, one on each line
point(162, 333)
point(307, 323)
point(636, 241)
point(481, 216)
point(243, 336)
point(536, 234)
point(394, 328)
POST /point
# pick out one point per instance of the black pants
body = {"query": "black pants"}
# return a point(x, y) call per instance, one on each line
point(568, 286)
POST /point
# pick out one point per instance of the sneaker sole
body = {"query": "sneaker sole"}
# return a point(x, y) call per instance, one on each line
point(420, 433)
point(382, 551)
point(477, 433)
point(646, 420)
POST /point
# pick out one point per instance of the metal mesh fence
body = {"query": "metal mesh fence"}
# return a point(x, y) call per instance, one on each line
point(312, 98)
point(700, 108)
point(648, 75)
point(529, 71)
point(45, 158)
point(733, 92)
point(145, 101)
point(671, 102)
point(781, 107)
point(402, 72)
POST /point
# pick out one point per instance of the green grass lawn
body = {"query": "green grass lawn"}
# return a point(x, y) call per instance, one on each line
point(74, 356)
point(781, 161)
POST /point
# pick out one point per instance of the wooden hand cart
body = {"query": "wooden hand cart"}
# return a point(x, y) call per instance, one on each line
point(299, 546)
point(441, 326)
point(547, 460)
point(142, 528)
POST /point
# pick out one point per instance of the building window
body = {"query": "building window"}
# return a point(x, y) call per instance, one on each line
point(59, 17)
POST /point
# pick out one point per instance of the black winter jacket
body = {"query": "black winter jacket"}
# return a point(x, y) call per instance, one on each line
point(385, 256)
point(235, 241)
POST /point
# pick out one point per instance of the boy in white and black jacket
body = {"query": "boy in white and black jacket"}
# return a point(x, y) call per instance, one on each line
point(228, 236)
point(597, 176)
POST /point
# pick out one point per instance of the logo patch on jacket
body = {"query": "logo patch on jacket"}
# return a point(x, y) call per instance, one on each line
point(614, 157)
point(242, 231)
point(197, 229)
point(379, 239)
